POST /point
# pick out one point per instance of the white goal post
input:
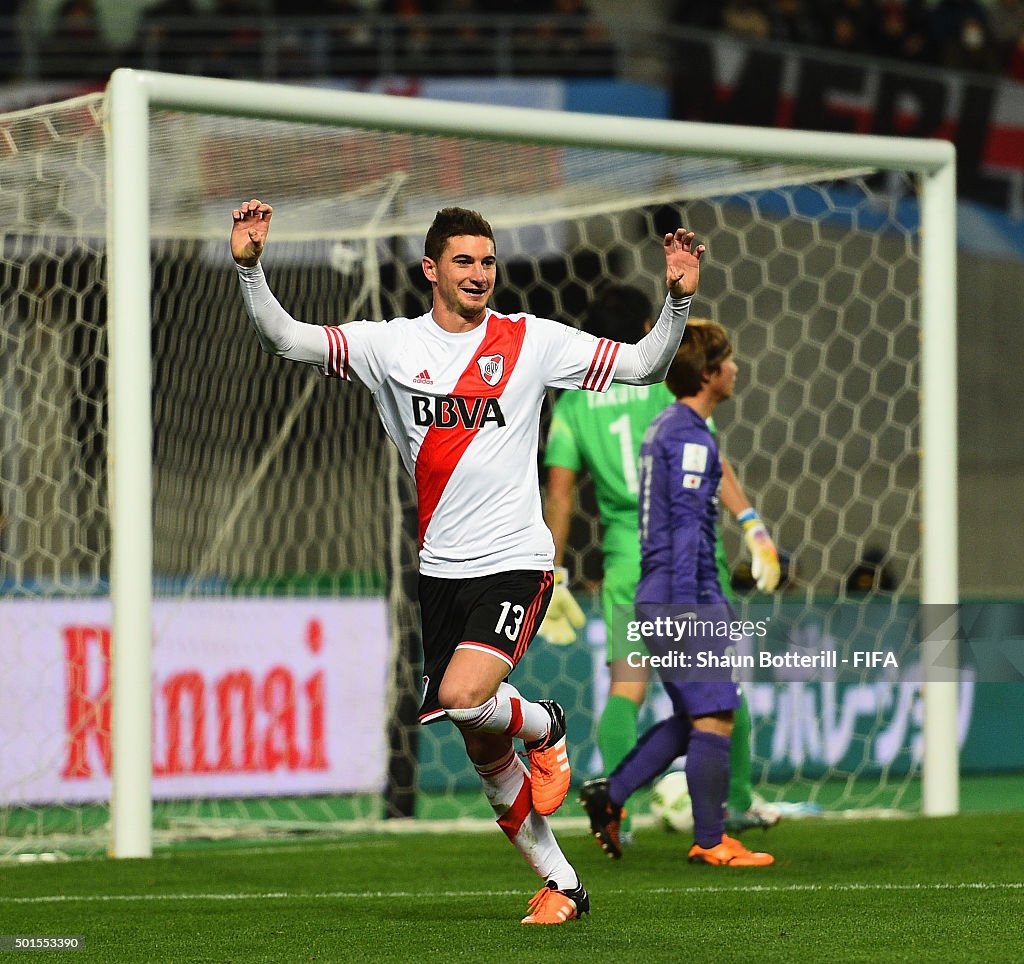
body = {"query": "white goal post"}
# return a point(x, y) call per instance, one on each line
point(131, 97)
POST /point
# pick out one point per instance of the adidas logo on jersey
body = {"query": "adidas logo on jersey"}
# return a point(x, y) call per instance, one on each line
point(447, 411)
point(423, 378)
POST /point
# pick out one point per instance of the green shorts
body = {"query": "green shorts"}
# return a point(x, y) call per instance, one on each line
point(621, 575)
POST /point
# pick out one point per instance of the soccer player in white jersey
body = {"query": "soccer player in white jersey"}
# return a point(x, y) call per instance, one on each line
point(459, 390)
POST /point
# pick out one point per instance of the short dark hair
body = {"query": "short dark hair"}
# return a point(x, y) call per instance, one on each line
point(704, 347)
point(619, 312)
point(453, 223)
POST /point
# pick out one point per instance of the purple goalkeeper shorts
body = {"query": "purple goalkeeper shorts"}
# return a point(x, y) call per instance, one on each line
point(702, 698)
point(693, 650)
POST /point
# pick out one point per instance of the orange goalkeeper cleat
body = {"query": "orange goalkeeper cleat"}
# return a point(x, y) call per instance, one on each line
point(729, 853)
point(553, 906)
point(549, 764)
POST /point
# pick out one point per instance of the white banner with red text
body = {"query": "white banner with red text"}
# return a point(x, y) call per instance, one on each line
point(251, 697)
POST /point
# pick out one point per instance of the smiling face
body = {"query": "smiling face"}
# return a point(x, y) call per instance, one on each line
point(462, 278)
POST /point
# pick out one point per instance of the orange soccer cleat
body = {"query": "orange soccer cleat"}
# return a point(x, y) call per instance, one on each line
point(549, 764)
point(553, 906)
point(729, 853)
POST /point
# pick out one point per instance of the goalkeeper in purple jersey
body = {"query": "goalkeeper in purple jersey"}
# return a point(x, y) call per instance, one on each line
point(680, 471)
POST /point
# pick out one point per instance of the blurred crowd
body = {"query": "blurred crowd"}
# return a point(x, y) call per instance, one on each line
point(985, 36)
point(338, 37)
point(305, 37)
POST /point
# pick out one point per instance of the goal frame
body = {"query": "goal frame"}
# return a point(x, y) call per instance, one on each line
point(132, 94)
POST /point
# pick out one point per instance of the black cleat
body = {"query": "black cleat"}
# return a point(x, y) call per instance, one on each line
point(556, 731)
point(605, 816)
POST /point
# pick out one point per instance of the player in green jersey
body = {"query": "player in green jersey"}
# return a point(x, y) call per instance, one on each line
point(604, 434)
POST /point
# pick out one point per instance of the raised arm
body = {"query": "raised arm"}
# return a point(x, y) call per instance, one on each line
point(648, 360)
point(279, 333)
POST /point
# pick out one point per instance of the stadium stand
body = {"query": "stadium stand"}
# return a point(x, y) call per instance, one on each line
point(986, 37)
point(304, 38)
point(87, 38)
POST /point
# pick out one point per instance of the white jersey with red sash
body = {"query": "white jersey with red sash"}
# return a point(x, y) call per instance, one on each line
point(464, 411)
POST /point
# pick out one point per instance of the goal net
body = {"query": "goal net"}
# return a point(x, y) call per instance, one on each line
point(282, 668)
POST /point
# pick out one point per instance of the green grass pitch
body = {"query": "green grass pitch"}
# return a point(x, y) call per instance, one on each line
point(940, 889)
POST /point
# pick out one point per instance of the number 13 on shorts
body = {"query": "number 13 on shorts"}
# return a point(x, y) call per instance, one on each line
point(510, 620)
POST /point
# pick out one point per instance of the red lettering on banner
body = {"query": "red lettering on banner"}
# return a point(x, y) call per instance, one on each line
point(279, 746)
point(87, 713)
point(315, 696)
point(262, 724)
point(236, 709)
point(257, 723)
point(314, 635)
point(181, 688)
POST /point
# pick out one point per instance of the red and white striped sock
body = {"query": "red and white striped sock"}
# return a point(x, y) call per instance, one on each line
point(506, 712)
point(507, 787)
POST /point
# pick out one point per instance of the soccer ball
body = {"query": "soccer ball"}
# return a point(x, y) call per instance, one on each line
point(670, 802)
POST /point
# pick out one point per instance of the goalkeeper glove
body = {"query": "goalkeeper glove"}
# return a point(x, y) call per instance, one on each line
point(564, 615)
point(764, 557)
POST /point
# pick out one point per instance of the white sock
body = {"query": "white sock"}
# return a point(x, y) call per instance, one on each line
point(506, 712)
point(507, 787)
